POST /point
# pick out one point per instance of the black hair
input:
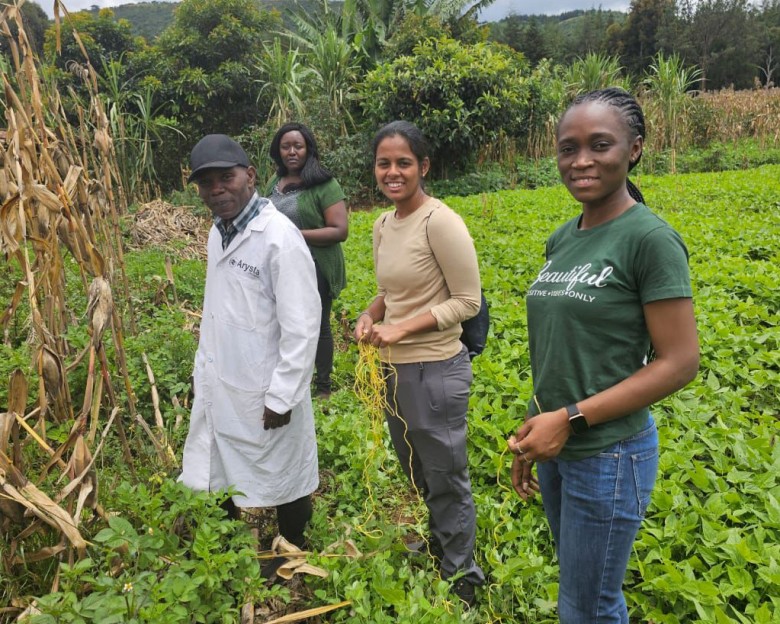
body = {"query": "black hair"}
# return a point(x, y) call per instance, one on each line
point(313, 172)
point(413, 135)
point(631, 112)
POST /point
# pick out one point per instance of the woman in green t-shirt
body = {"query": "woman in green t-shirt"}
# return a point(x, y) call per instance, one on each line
point(611, 330)
point(308, 194)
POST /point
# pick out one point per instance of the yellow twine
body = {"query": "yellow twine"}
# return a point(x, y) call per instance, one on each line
point(371, 390)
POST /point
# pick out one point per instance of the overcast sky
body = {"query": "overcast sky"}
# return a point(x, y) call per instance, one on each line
point(496, 11)
point(502, 8)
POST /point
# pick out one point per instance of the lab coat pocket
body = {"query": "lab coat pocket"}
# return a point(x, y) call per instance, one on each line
point(240, 302)
point(241, 422)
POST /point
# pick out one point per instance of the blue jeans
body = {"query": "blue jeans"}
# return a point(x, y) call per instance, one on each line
point(595, 506)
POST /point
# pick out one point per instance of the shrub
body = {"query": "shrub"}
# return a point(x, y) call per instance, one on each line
point(461, 96)
point(171, 557)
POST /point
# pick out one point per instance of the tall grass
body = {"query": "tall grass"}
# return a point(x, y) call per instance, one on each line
point(282, 76)
point(594, 71)
point(667, 85)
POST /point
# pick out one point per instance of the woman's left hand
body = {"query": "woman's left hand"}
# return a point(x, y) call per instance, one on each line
point(523, 480)
point(386, 335)
point(541, 437)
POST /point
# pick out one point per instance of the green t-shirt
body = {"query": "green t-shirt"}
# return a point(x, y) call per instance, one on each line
point(586, 324)
point(311, 206)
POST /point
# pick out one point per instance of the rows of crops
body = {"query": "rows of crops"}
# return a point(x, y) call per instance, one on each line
point(710, 549)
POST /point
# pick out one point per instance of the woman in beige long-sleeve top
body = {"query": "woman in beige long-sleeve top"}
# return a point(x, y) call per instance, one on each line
point(427, 284)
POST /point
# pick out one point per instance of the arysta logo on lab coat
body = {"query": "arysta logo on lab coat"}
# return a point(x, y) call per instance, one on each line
point(247, 268)
point(580, 274)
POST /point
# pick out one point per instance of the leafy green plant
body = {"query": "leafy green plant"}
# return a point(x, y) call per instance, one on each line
point(334, 65)
point(170, 557)
point(461, 96)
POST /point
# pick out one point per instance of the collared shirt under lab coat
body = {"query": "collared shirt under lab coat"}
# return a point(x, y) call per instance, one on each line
point(258, 337)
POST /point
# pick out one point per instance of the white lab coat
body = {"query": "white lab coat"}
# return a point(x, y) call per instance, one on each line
point(258, 337)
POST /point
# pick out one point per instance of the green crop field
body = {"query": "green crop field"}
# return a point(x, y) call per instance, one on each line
point(709, 550)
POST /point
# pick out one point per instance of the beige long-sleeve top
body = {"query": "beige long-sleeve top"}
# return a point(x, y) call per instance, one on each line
point(426, 262)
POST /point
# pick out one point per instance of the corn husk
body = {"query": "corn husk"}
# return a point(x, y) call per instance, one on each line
point(99, 308)
point(15, 485)
point(50, 368)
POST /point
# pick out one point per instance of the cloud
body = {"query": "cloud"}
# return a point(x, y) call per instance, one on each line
point(501, 8)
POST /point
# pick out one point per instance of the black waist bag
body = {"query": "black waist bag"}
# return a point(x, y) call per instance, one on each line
point(475, 330)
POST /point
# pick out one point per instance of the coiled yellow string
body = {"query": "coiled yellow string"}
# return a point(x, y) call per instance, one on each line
point(370, 389)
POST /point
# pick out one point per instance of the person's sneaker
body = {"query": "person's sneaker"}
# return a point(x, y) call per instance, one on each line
point(466, 592)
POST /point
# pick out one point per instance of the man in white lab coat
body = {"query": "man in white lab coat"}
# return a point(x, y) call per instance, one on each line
point(252, 425)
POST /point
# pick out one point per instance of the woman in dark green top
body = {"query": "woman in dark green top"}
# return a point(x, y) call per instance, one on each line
point(614, 283)
point(308, 194)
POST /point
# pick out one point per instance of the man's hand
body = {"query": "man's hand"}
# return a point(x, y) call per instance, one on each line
point(272, 420)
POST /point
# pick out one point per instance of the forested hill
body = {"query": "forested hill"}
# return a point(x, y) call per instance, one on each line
point(149, 19)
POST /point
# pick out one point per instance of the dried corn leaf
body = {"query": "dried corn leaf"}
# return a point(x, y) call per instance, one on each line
point(296, 560)
point(7, 420)
point(155, 395)
point(11, 231)
point(72, 179)
point(16, 486)
point(308, 613)
point(297, 566)
point(82, 463)
point(14, 303)
point(44, 553)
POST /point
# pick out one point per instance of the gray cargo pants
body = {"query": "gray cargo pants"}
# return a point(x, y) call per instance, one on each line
point(432, 399)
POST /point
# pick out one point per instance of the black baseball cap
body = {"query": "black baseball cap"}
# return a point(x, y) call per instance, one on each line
point(216, 151)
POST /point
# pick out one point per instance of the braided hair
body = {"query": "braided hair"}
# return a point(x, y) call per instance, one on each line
point(632, 114)
point(313, 172)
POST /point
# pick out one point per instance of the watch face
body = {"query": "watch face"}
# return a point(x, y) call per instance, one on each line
point(578, 424)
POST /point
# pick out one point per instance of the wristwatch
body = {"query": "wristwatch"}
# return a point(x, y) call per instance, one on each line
point(577, 420)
